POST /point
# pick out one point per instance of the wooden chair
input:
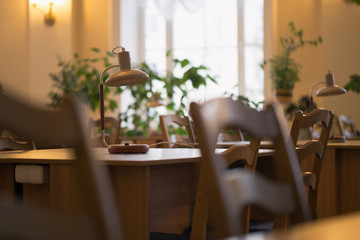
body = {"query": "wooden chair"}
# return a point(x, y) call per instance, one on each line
point(238, 155)
point(346, 126)
point(101, 219)
point(314, 148)
point(167, 120)
point(230, 191)
point(231, 134)
point(112, 124)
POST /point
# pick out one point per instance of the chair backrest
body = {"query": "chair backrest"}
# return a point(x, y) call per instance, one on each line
point(235, 156)
point(229, 192)
point(112, 124)
point(231, 134)
point(167, 120)
point(65, 126)
point(315, 148)
point(346, 126)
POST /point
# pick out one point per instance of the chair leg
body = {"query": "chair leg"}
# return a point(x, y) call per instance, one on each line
point(200, 214)
point(280, 223)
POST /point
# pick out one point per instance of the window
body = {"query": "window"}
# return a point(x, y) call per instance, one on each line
point(226, 36)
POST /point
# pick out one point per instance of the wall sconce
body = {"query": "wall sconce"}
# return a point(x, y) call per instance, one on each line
point(49, 17)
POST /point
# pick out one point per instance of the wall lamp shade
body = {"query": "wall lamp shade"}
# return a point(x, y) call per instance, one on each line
point(124, 77)
point(330, 88)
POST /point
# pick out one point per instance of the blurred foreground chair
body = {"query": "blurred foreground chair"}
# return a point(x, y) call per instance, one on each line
point(65, 126)
point(236, 156)
point(312, 148)
point(112, 125)
point(229, 192)
point(346, 126)
point(166, 121)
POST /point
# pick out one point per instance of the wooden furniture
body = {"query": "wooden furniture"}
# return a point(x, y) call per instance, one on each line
point(167, 120)
point(154, 191)
point(61, 127)
point(229, 192)
point(340, 167)
point(10, 143)
point(235, 156)
point(340, 180)
point(113, 126)
point(312, 148)
point(343, 227)
point(346, 126)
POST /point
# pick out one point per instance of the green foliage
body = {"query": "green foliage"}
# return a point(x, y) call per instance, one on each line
point(357, 2)
point(353, 84)
point(303, 104)
point(168, 86)
point(80, 76)
point(284, 71)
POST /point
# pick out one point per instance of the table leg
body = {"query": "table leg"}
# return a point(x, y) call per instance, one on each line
point(131, 186)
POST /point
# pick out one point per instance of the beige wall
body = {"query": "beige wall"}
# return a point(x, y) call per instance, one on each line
point(45, 44)
point(14, 45)
point(306, 15)
point(29, 48)
point(336, 21)
point(341, 32)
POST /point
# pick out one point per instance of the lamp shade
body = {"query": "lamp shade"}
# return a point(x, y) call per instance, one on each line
point(155, 101)
point(125, 76)
point(330, 88)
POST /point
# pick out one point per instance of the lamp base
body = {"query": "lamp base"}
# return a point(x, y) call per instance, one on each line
point(336, 139)
point(128, 148)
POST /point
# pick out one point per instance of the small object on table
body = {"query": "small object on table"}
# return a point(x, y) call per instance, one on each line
point(128, 148)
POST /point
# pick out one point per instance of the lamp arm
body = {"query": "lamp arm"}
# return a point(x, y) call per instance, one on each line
point(102, 110)
point(311, 93)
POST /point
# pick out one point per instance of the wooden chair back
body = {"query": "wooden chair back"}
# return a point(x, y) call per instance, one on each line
point(229, 192)
point(167, 120)
point(315, 148)
point(65, 126)
point(346, 126)
point(112, 124)
point(236, 156)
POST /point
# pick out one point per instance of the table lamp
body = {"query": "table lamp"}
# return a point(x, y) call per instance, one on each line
point(125, 76)
point(330, 88)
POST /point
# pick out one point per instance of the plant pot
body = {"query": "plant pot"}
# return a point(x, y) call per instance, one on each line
point(284, 95)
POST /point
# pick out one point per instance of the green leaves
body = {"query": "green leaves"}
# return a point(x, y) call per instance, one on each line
point(353, 84)
point(284, 71)
point(168, 86)
point(81, 77)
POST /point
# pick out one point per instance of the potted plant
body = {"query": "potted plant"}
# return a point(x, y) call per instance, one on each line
point(165, 87)
point(284, 71)
point(80, 76)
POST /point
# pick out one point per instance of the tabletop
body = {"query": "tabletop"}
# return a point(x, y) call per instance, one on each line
point(342, 227)
point(155, 156)
point(348, 144)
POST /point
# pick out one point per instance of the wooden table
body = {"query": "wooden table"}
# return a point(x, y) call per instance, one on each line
point(343, 227)
point(155, 191)
point(339, 190)
point(340, 179)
